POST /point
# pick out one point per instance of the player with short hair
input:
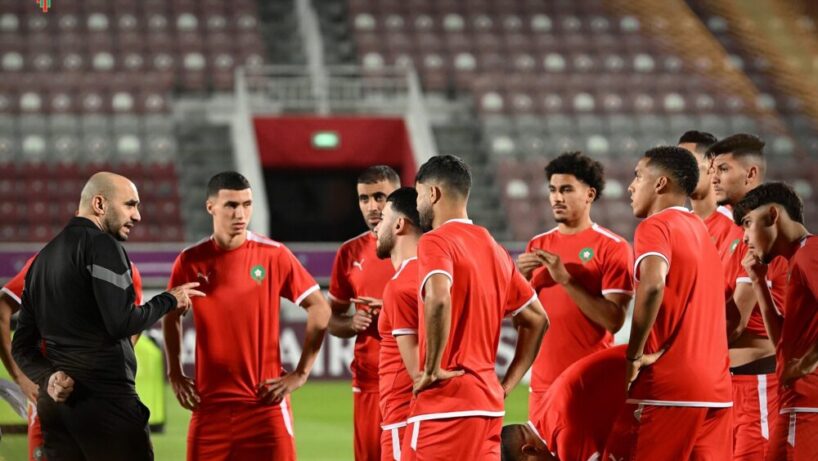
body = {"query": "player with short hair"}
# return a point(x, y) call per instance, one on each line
point(679, 407)
point(398, 234)
point(717, 218)
point(581, 271)
point(739, 167)
point(357, 273)
point(469, 283)
point(773, 222)
point(240, 397)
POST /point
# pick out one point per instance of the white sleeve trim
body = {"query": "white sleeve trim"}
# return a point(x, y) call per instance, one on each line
point(337, 299)
point(680, 403)
point(304, 295)
point(13, 296)
point(404, 332)
point(620, 291)
point(426, 278)
point(527, 303)
point(749, 281)
point(536, 432)
point(640, 258)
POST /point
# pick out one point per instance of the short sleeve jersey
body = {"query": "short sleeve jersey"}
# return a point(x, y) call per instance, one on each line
point(357, 271)
point(399, 316)
point(735, 274)
point(690, 325)
point(237, 321)
point(724, 232)
point(581, 406)
point(602, 263)
point(799, 332)
point(486, 287)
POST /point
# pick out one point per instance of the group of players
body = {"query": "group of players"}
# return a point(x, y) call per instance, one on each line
point(720, 364)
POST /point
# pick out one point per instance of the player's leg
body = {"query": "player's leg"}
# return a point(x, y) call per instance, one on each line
point(367, 415)
point(535, 406)
point(57, 440)
point(755, 403)
point(391, 439)
point(473, 438)
point(777, 450)
point(714, 439)
point(263, 432)
point(208, 435)
point(641, 426)
point(35, 435)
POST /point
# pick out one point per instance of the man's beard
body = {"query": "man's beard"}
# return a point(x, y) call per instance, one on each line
point(427, 217)
point(383, 248)
point(115, 230)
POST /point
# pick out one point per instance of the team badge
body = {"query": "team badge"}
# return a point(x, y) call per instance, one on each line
point(586, 254)
point(257, 273)
point(734, 245)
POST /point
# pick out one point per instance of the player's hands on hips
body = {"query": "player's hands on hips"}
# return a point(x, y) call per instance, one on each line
point(60, 386)
point(756, 270)
point(555, 267)
point(795, 369)
point(273, 391)
point(29, 388)
point(183, 293)
point(373, 304)
point(633, 367)
point(361, 320)
point(426, 379)
point(185, 390)
point(527, 262)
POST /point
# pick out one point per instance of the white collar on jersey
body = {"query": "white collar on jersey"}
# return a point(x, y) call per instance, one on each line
point(677, 208)
point(460, 220)
point(403, 266)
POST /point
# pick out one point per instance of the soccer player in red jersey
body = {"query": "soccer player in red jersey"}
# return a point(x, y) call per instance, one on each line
point(358, 274)
point(772, 218)
point(10, 298)
point(679, 407)
point(739, 167)
point(581, 271)
point(398, 234)
point(469, 283)
point(240, 397)
point(717, 218)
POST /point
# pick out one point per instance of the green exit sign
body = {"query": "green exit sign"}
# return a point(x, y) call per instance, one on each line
point(326, 140)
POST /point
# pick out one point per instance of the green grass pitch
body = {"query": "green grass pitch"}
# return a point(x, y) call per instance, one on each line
point(323, 424)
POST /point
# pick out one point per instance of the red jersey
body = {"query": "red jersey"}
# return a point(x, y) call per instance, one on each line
point(14, 287)
point(602, 263)
point(237, 322)
point(776, 279)
point(399, 316)
point(486, 287)
point(581, 406)
point(799, 332)
point(690, 325)
point(357, 271)
point(724, 232)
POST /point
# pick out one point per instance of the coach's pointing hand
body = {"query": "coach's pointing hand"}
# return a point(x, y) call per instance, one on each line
point(60, 386)
point(426, 379)
point(183, 293)
point(273, 391)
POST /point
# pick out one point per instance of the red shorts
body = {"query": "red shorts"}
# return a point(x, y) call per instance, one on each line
point(474, 438)
point(535, 406)
point(755, 406)
point(391, 439)
point(664, 433)
point(366, 411)
point(794, 437)
point(35, 435)
point(241, 431)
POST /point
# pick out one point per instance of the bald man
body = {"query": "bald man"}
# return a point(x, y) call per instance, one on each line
point(76, 320)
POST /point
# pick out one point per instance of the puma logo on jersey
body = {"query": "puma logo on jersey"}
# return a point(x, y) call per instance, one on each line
point(205, 277)
point(359, 264)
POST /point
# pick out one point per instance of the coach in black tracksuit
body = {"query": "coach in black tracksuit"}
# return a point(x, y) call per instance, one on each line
point(73, 333)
